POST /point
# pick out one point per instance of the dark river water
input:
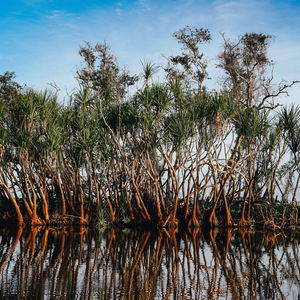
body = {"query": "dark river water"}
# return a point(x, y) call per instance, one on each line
point(114, 264)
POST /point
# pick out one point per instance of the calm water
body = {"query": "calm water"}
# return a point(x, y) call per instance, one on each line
point(74, 264)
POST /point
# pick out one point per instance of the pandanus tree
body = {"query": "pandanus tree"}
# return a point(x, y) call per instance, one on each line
point(25, 169)
point(7, 198)
point(153, 103)
point(214, 114)
point(80, 151)
point(251, 127)
point(249, 80)
point(289, 121)
point(24, 110)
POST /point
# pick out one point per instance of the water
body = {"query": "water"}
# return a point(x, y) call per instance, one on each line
point(84, 264)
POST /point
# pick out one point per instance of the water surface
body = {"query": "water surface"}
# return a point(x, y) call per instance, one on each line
point(84, 264)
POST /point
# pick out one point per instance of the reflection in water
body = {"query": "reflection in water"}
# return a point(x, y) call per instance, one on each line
point(43, 264)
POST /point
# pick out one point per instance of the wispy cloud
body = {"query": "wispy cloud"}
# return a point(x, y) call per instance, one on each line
point(235, 16)
point(119, 8)
point(58, 14)
point(144, 4)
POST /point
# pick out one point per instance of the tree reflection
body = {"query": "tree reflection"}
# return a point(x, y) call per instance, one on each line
point(82, 264)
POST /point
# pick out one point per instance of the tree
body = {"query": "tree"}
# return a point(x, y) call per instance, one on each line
point(249, 71)
point(190, 66)
point(102, 73)
point(8, 87)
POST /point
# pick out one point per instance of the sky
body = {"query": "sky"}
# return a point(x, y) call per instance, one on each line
point(40, 39)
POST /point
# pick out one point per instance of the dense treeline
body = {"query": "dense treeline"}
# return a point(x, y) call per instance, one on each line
point(131, 149)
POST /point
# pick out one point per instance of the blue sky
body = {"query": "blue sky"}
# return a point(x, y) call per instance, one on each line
point(40, 38)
